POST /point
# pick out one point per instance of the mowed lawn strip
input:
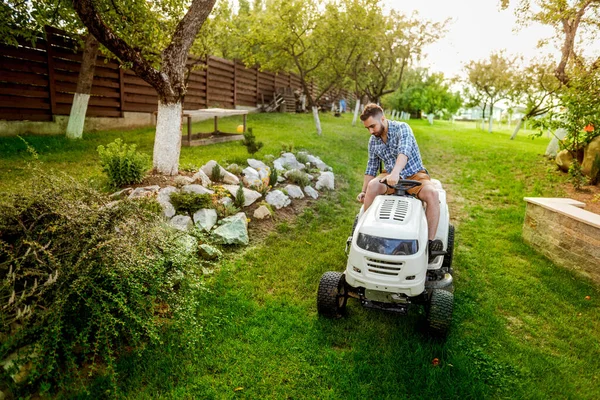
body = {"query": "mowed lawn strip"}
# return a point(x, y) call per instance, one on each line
point(522, 327)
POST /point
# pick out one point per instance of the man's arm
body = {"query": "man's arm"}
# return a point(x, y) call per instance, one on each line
point(394, 176)
point(361, 195)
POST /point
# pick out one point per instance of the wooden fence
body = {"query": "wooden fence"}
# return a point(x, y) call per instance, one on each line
point(38, 81)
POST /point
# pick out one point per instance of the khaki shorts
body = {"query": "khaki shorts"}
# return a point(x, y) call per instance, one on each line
point(420, 176)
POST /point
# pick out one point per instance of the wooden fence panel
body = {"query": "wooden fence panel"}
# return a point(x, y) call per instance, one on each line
point(220, 86)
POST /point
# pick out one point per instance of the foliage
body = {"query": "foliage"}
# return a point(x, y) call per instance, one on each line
point(225, 210)
point(122, 163)
point(239, 198)
point(302, 157)
point(576, 176)
point(273, 177)
point(215, 173)
point(82, 278)
point(287, 147)
point(234, 169)
point(189, 203)
point(250, 142)
point(298, 177)
point(595, 172)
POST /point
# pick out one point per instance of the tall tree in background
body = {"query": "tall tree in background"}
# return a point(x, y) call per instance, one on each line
point(492, 78)
point(173, 30)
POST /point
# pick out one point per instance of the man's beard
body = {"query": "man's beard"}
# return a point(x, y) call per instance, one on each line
point(379, 132)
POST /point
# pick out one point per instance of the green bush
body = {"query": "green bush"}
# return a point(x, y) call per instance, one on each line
point(189, 203)
point(250, 142)
point(595, 172)
point(122, 163)
point(299, 178)
point(82, 279)
point(215, 173)
point(240, 198)
point(302, 157)
point(273, 177)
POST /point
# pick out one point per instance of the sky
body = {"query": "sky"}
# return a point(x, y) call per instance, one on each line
point(477, 28)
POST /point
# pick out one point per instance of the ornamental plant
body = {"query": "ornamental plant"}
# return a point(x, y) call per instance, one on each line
point(122, 163)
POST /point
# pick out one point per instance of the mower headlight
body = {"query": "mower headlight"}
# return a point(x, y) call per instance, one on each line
point(391, 247)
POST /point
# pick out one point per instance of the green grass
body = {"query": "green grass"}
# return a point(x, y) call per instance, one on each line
point(522, 327)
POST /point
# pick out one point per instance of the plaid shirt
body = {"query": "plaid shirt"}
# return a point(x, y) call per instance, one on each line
point(400, 140)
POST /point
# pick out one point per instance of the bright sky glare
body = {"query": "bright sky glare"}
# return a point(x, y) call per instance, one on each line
point(478, 28)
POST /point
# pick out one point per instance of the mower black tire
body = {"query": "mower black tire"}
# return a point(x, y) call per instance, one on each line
point(439, 312)
point(332, 295)
point(447, 264)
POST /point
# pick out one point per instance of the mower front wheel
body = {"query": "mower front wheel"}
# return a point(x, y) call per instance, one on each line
point(439, 313)
point(332, 295)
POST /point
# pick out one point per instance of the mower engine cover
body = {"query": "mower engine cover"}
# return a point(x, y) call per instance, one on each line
point(389, 248)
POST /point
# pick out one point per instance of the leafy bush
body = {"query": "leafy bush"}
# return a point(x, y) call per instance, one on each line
point(302, 157)
point(189, 203)
point(299, 178)
point(595, 171)
point(273, 177)
point(239, 198)
point(250, 142)
point(577, 178)
point(122, 163)
point(215, 173)
point(287, 147)
point(234, 169)
point(82, 279)
point(225, 210)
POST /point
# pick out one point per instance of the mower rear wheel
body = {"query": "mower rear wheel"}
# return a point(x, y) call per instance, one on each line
point(332, 295)
point(439, 312)
point(449, 250)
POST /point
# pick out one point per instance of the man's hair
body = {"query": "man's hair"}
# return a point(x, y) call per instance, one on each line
point(371, 110)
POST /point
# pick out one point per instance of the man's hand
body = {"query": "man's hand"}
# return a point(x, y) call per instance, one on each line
point(392, 179)
point(361, 197)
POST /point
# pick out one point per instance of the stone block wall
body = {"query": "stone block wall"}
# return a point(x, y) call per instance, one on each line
point(565, 233)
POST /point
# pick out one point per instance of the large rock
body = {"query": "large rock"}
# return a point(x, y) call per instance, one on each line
point(121, 194)
point(209, 252)
point(164, 199)
point(289, 161)
point(202, 178)
point(552, 149)
point(234, 230)
point(250, 196)
point(294, 192)
point(251, 177)
point(326, 181)
point(198, 189)
point(589, 154)
point(277, 199)
point(228, 177)
point(564, 160)
point(205, 218)
point(147, 191)
point(317, 162)
point(310, 192)
point(181, 180)
point(262, 212)
point(256, 164)
point(182, 222)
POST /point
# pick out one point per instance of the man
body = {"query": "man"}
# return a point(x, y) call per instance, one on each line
point(394, 143)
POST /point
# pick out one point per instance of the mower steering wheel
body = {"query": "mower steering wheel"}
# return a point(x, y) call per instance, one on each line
point(403, 185)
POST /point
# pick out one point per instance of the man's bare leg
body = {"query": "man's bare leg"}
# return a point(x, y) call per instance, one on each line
point(430, 196)
point(374, 189)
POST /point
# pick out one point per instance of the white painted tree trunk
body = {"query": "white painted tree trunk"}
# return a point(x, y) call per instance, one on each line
point(490, 124)
point(553, 147)
point(315, 111)
point(356, 108)
point(430, 118)
point(167, 140)
point(77, 116)
point(517, 128)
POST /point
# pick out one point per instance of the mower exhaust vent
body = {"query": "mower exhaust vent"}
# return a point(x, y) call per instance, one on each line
point(393, 209)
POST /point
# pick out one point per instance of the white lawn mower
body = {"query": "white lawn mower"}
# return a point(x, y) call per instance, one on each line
point(388, 261)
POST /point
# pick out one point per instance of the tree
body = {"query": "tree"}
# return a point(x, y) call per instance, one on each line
point(491, 78)
point(535, 86)
point(161, 21)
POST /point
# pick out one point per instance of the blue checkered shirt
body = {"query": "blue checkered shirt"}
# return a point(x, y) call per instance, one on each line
point(400, 141)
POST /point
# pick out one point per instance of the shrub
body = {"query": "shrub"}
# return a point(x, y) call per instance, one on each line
point(234, 169)
point(302, 157)
point(82, 277)
point(250, 142)
point(299, 178)
point(215, 173)
point(122, 163)
point(577, 178)
point(225, 210)
point(240, 198)
point(273, 177)
point(287, 147)
point(189, 203)
point(595, 171)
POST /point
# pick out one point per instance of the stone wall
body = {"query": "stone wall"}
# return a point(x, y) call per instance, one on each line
point(565, 233)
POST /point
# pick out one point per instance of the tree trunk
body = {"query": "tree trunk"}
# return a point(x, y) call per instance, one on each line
point(430, 118)
point(491, 117)
point(167, 141)
point(315, 112)
point(84, 88)
point(356, 108)
point(517, 128)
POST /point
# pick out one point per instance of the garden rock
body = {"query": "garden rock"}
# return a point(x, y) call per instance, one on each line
point(289, 160)
point(205, 218)
point(251, 177)
point(188, 243)
point(294, 192)
point(278, 165)
point(277, 199)
point(256, 164)
point(164, 199)
point(234, 230)
point(202, 178)
point(317, 162)
point(181, 180)
point(325, 181)
point(564, 160)
point(143, 192)
point(209, 252)
point(23, 370)
point(311, 192)
point(280, 179)
point(182, 222)
point(250, 196)
point(198, 189)
point(121, 194)
point(226, 200)
point(590, 153)
point(262, 212)
point(228, 177)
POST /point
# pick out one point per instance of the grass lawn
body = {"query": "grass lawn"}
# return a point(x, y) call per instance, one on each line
point(522, 327)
